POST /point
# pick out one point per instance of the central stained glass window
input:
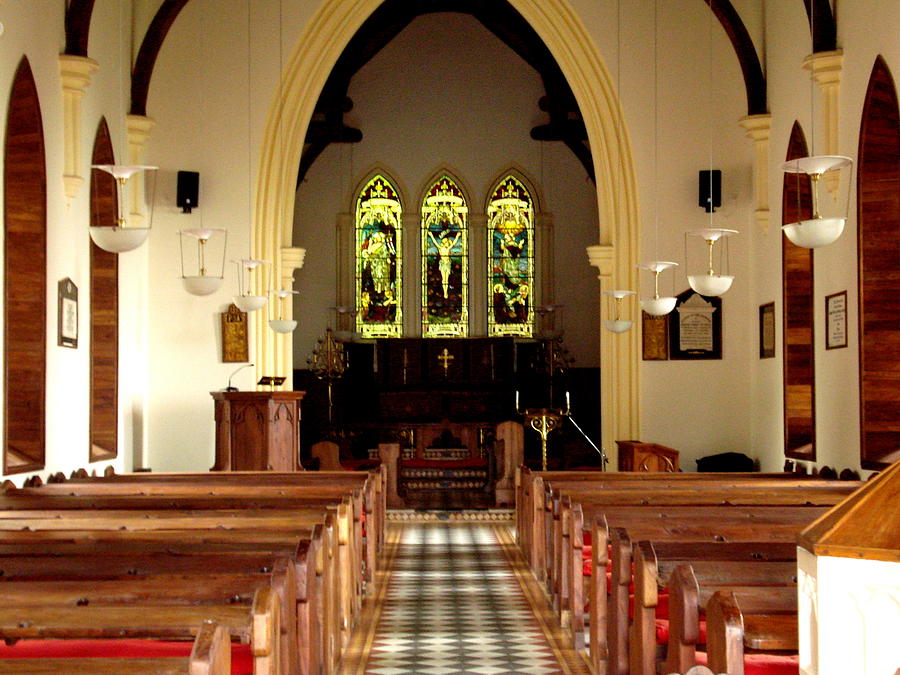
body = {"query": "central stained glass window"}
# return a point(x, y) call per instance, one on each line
point(445, 261)
point(379, 256)
point(510, 231)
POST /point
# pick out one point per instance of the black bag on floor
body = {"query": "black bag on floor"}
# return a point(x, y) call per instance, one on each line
point(726, 461)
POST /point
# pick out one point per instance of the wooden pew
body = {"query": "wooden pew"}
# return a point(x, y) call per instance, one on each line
point(210, 655)
point(140, 546)
point(759, 587)
point(609, 615)
point(190, 571)
point(731, 631)
point(257, 624)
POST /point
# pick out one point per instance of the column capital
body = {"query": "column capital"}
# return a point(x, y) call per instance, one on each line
point(75, 72)
point(758, 127)
point(291, 258)
point(826, 67)
point(602, 257)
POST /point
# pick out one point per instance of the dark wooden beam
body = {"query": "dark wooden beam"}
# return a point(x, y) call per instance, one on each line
point(754, 79)
point(150, 46)
point(78, 26)
point(822, 25)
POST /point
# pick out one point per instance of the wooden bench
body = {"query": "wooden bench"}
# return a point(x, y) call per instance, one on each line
point(688, 578)
point(210, 655)
point(257, 624)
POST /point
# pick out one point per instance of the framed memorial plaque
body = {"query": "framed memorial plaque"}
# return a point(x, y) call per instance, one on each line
point(836, 320)
point(767, 331)
point(67, 314)
point(695, 327)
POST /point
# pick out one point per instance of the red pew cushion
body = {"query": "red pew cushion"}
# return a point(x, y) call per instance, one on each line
point(765, 664)
point(360, 464)
point(241, 657)
point(662, 632)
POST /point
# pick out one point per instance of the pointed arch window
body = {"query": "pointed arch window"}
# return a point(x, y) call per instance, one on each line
point(510, 231)
point(379, 255)
point(445, 258)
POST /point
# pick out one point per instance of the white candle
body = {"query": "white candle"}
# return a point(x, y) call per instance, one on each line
point(517, 400)
point(568, 406)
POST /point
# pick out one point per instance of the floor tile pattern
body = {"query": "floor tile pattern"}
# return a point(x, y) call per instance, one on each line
point(453, 605)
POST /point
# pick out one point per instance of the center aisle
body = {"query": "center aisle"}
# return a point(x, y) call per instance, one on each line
point(459, 599)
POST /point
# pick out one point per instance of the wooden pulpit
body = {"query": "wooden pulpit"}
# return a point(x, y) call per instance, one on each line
point(257, 430)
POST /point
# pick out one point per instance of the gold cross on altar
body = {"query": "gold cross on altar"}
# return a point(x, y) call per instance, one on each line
point(445, 358)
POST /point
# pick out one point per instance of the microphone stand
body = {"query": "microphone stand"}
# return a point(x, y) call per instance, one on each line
point(229, 387)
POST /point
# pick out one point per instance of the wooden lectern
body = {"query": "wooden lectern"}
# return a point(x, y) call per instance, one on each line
point(257, 430)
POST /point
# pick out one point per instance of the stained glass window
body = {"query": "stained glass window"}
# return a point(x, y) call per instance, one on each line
point(510, 229)
point(445, 269)
point(379, 289)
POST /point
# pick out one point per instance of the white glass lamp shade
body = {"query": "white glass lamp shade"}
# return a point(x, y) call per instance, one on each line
point(249, 303)
point(815, 232)
point(123, 171)
point(119, 239)
point(202, 285)
point(710, 284)
point(617, 325)
point(816, 164)
point(282, 325)
point(618, 295)
point(658, 306)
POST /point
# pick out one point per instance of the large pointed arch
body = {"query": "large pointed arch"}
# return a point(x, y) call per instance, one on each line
point(878, 191)
point(316, 50)
point(25, 273)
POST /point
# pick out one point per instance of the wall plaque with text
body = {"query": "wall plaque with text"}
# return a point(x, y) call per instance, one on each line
point(695, 327)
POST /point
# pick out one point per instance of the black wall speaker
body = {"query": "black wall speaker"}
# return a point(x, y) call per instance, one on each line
point(188, 195)
point(710, 190)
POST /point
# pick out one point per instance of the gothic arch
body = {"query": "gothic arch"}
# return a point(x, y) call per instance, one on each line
point(318, 48)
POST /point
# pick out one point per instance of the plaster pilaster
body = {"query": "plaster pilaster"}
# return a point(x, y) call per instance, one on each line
point(758, 128)
point(139, 128)
point(75, 76)
point(826, 68)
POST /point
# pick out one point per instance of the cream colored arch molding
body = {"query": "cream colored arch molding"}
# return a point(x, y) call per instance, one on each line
point(74, 76)
point(318, 48)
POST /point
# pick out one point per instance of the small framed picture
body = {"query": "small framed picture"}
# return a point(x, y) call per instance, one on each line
point(836, 320)
point(767, 331)
point(67, 314)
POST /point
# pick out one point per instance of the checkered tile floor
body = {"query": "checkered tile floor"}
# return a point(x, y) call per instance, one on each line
point(454, 605)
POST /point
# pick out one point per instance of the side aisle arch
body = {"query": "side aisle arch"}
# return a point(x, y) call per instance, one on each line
point(318, 48)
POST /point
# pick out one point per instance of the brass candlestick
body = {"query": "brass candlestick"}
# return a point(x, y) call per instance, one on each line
point(544, 421)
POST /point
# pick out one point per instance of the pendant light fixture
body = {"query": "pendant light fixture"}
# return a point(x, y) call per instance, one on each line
point(202, 283)
point(120, 238)
point(818, 230)
point(244, 300)
point(710, 284)
point(618, 324)
point(657, 305)
point(282, 325)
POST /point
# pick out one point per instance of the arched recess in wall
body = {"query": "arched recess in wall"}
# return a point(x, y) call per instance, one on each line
point(104, 438)
point(878, 234)
point(797, 316)
point(25, 272)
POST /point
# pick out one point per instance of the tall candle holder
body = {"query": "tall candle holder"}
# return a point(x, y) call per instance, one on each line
point(544, 421)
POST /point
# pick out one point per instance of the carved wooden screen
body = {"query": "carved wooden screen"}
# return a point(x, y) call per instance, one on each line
point(797, 295)
point(25, 269)
point(445, 260)
point(379, 260)
point(510, 231)
point(104, 309)
point(879, 263)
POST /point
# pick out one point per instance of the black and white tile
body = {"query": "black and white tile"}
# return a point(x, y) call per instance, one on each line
point(454, 605)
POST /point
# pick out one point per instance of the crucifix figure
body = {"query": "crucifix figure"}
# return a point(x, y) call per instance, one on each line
point(445, 358)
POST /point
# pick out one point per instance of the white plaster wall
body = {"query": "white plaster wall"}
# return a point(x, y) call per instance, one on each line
point(447, 93)
point(864, 31)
